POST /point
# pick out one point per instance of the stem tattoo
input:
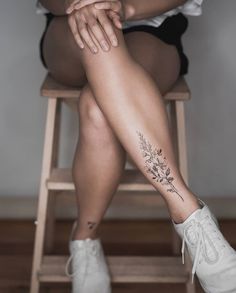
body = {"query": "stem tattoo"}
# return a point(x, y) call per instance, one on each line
point(155, 163)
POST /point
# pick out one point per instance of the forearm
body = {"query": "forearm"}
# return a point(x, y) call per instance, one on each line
point(57, 7)
point(141, 9)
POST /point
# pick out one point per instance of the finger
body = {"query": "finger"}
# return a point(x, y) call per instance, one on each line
point(98, 33)
point(83, 30)
point(74, 30)
point(83, 3)
point(71, 6)
point(115, 18)
point(108, 28)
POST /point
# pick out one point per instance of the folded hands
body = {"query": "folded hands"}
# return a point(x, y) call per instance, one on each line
point(97, 17)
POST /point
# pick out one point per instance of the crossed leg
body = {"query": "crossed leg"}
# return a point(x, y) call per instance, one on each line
point(120, 109)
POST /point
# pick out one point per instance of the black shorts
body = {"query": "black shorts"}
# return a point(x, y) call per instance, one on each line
point(170, 31)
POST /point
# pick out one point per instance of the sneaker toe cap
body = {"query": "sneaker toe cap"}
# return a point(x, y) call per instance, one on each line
point(96, 283)
point(224, 282)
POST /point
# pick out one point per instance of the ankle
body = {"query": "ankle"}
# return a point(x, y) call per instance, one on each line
point(81, 234)
point(179, 216)
point(82, 230)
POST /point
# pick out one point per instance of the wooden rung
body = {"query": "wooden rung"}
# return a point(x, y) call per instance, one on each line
point(124, 269)
point(132, 179)
point(53, 89)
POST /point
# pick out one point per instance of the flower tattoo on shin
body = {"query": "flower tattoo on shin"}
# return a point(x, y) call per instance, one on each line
point(155, 164)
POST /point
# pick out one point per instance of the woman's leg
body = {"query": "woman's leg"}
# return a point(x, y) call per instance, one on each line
point(64, 61)
point(99, 158)
point(98, 164)
point(132, 103)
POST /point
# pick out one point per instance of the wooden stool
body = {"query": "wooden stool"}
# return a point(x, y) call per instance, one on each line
point(135, 269)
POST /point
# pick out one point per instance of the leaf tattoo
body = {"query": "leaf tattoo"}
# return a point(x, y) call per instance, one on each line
point(155, 164)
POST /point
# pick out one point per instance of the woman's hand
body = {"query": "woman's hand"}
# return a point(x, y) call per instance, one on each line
point(115, 9)
point(96, 20)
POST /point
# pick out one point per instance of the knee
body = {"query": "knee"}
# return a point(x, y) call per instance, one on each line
point(90, 115)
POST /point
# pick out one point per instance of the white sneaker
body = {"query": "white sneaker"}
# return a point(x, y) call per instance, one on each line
point(90, 272)
point(214, 260)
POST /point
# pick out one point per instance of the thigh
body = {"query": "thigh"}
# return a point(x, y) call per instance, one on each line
point(62, 54)
point(64, 58)
point(158, 58)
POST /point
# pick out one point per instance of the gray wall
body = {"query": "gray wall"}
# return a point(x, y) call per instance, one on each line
point(210, 44)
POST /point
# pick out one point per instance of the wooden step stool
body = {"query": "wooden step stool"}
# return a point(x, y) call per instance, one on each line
point(128, 269)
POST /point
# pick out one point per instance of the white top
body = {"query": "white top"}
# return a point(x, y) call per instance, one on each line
point(191, 7)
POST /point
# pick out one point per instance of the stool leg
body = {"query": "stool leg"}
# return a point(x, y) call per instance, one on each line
point(50, 224)
point(43, 195)
point(181, 140)
point(183, 166)
point(176, 241)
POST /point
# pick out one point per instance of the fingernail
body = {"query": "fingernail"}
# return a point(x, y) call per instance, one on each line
point(105, 45)
point(80, 44)
point(114, 42)
point(94, 49)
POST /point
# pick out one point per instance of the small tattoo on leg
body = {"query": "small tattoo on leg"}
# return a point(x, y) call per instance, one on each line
point(155, 163)
point(91, 224)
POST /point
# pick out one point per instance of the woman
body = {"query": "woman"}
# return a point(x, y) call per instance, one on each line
point(126, 55)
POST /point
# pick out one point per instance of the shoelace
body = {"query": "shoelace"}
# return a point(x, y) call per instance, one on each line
point(203, 237)
point(90, 249)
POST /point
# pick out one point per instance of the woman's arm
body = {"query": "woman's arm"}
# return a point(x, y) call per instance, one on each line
point(141, 9)
point(133, 9)
point(57, 7)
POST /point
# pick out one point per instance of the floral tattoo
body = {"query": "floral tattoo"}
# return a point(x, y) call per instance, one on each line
point(155, 163)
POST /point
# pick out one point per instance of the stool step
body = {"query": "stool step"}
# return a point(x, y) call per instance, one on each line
point(132, 179)
point(124, 269)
